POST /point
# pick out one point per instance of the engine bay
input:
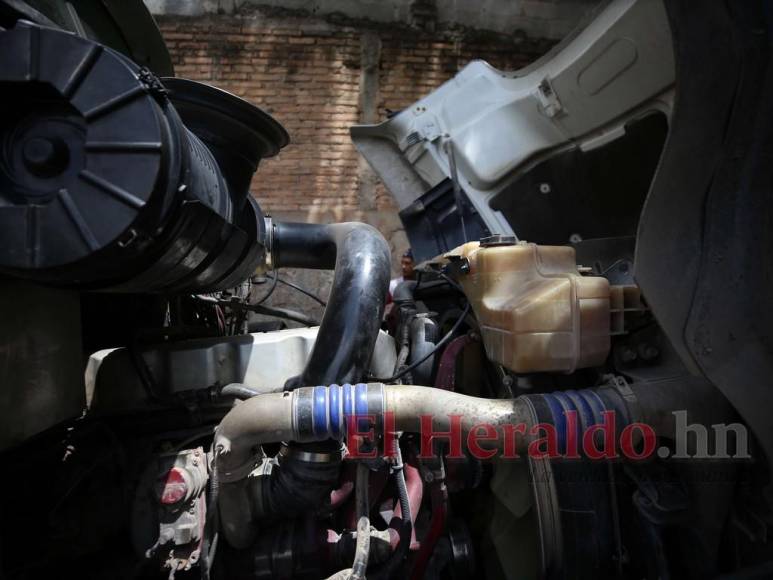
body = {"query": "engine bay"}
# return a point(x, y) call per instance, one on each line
point(572, 385)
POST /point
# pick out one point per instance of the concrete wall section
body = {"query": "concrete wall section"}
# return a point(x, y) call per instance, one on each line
point(535, 18)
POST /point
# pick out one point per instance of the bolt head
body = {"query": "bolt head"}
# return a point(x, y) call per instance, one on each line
point(45, 157)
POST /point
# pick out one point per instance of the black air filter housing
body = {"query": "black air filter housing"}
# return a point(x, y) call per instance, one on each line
point(238, 134)
point(101, 184)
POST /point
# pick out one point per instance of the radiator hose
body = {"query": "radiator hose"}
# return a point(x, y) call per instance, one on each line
point(359, 254)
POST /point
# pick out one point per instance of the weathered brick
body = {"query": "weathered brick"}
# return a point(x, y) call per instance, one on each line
point(308, 76)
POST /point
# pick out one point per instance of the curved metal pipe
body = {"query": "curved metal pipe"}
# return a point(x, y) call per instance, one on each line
point(347, 335)
point(322, 413)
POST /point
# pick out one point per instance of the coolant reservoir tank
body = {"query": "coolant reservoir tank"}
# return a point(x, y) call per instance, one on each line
point(536, 311)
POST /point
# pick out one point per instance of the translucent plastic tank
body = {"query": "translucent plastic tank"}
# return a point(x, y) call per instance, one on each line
point(536, 311)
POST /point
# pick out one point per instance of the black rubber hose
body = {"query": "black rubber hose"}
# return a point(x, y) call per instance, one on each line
point(239, 391)
point(355, 306)
point(345, 340)
point(301, 245)
point(297, 486)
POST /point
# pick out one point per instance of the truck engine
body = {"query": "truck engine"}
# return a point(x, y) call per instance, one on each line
point(574, 385)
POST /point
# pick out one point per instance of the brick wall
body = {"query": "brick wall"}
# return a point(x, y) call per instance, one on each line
point(308, 76)
point(318, 78)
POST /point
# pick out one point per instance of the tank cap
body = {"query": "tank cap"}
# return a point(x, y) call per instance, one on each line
point(498, 240)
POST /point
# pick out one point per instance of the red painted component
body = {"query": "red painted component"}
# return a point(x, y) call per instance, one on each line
point(340, 495)
point(175, 486)
point(439, 497)
point(446, 373)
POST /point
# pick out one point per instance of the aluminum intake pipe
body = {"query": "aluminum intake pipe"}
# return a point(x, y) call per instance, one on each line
point(322, 413)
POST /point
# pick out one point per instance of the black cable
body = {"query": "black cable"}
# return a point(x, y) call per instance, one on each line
point(274, 279)
point(387, 570)
point(192, 439)
point(402, 491)
point(300, 289)
point(267, 310)
point(143, 371)
point(241, 319)
point(211, 523)
point(440, 344)
point(284, 313)
point(453, 283)
point(405, 348)
point(419, 279)
point(402, 488)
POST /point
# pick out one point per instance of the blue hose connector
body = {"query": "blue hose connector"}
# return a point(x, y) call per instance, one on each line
point(326, 412)
point(588, 405)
